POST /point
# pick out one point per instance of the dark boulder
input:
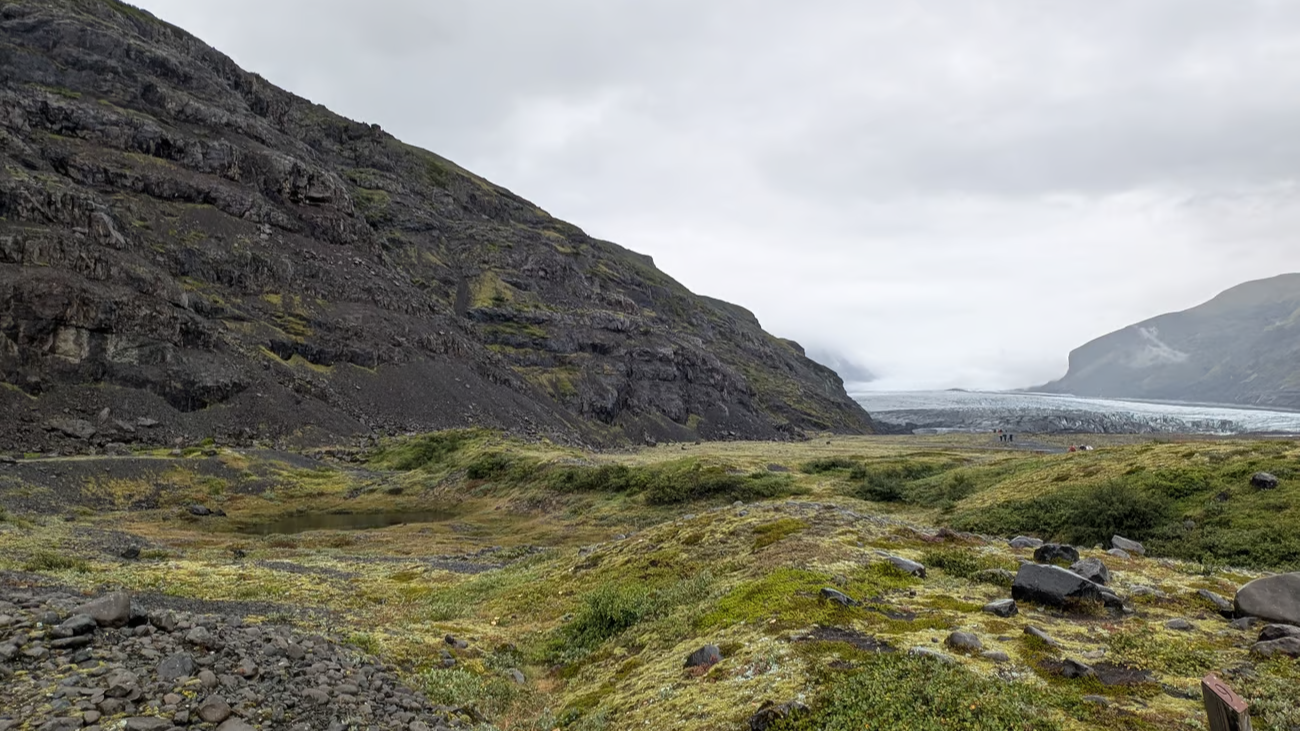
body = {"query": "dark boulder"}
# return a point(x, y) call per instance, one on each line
point(110, 610)
point(1277, 632)
point(964, 642)
point(179, 665)
point(705, 657)
point(200, 510)
point(1287, 646)
point(1093, 570)
point(835, 596)
point(1056, 553)
point(1263, 481)
point(1053, 586)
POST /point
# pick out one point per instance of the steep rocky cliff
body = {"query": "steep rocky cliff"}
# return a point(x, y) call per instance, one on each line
point(182, 242)
point(1242, 347)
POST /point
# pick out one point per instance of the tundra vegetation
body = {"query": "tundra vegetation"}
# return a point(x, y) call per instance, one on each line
point(597, 574)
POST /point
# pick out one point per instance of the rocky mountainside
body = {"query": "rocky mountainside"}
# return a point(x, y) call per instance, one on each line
point(1240, 347)
point(187, 250)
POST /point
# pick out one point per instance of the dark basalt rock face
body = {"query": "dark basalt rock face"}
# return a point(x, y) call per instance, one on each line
point(184, 243)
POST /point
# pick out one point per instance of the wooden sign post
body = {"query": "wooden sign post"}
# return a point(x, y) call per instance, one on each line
point(1227, 710)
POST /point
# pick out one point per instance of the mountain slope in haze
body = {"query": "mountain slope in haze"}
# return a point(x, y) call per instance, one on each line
point(1242, 347)
point(183, 242)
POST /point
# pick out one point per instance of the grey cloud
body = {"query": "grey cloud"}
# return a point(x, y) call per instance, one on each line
point(950, 193)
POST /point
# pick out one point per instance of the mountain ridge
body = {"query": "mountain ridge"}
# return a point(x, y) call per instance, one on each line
point(1239, 347)
point(182, 242)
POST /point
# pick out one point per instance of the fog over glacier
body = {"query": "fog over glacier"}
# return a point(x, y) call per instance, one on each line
point(943, 193)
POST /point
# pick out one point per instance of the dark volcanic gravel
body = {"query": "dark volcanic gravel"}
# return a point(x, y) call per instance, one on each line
point(119, 664)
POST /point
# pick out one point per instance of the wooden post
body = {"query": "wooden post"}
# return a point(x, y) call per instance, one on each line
point(1227, 710)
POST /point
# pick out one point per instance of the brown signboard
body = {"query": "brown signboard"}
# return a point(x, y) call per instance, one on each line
point(1227, 710)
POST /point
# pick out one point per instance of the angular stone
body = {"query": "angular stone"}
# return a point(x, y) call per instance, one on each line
point(1025, 542)
point(1277, 632)
point(1056, 552)
point(1263, 481)
point(1222, 605)
point(1119, 553)
point(178, 665)
point(1179, 625)
point(1075, 669)
point(1002, 608)
point(705, 657)
point(1053, 586)
point(78, 624)
point(516, 676)
point(933, 655)
point(235, 724)
point(1272, 598)
point(1093, 570)
point(1288, 646)
point(907, 566)
point(996, 656)
point(1038, 633)
point(835, 596)
point(1124, 544)
point(110, 610)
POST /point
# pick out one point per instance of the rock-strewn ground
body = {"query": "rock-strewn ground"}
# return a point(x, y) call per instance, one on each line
point(145, 668)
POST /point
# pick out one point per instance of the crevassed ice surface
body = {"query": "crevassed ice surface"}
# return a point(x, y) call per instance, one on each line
point(1046, 412)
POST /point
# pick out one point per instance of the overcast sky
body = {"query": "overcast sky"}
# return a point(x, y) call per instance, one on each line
point(951, 193)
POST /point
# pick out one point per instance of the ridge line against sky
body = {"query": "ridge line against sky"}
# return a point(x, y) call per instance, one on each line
point(946, 193)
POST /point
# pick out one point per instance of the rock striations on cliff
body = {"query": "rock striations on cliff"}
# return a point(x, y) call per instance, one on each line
point(188, 250)
point(1242, 347)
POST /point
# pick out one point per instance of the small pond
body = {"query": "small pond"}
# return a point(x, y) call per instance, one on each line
point(343, 521)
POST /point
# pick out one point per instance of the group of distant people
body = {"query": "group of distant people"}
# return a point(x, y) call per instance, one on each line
point(1005, 437)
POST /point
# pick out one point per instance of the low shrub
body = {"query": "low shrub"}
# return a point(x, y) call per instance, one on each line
point(827, 464)
point(54, 561)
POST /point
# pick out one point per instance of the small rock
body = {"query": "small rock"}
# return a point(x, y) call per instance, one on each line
point(1125, 544)
point(1002, 608)
point(1035, 632)
point(208, 679)
point(1098, 699)
point(1056, 552)
point(964, 642)
point(110, 610)
point(835, 596)
point(907, 566)
point(1263, 481)
point(1288, 646)
point(1244, 623)
point(516, 676)
point(78, 624)
point(1025, 542)
point(1277, 632)
point(997, 577)
point(147, 723)
point(996, 656)
point(932, 654)
point(705, 657)
point(214, 710)
point(200, 510)
point(1074, 669)
point(235, 724)
point(1179, 625)
point(179, 665)
point(456, 642)
point(1093, 570)
point(769, 714)
point(1223, 606)
point(1120, 553)
point(316, 695)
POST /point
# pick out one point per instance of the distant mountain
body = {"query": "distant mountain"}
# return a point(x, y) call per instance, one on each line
point(188, 251)
point(1242, 347)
